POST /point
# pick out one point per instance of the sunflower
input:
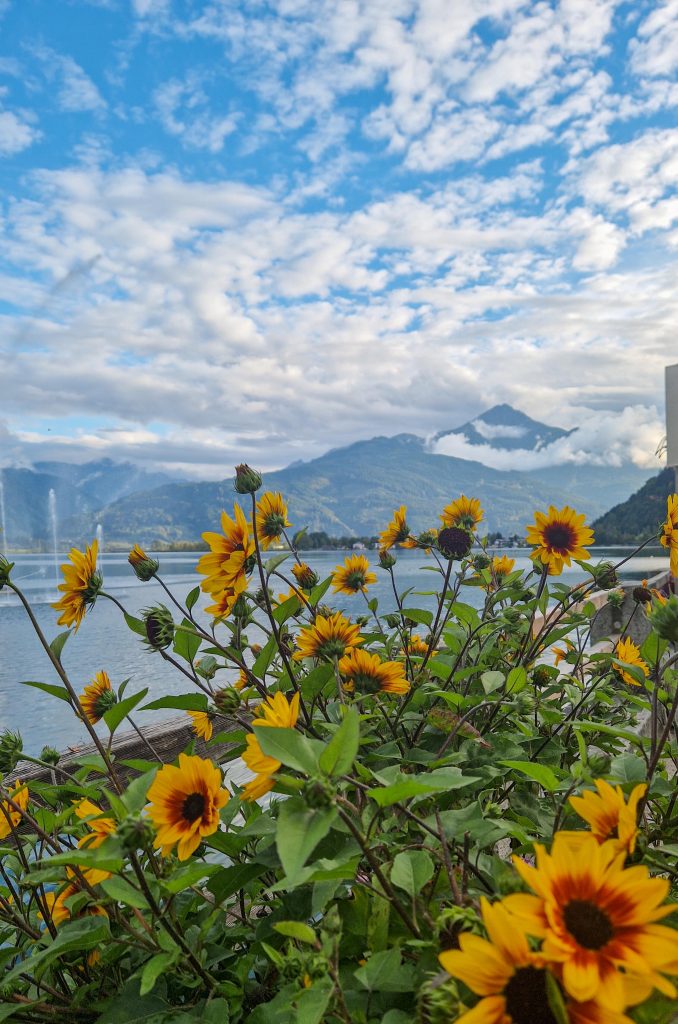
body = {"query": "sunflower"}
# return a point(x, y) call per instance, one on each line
point(562, 652)
point(502, 565)
point(81, 586)
point(184, 804)
point(98, 698)
point(202, 723)
point(608, 814)
point(508, 975)
point(276, 712)
point(397, 531)
point(59, 912)
point(225, 567)
point(669, 537)
point(354, 575)
point(225, 600)
point(464, 512)
point(559, 537)
point(305, 576)
point(100, 829)
point(367, 673)
point(9, 816)
point(271, 518)
point(596, 916)
point(416, 645)
point(629, 653)
point(327, 638)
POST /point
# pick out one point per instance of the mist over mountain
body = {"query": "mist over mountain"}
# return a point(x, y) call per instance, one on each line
point(503, 427)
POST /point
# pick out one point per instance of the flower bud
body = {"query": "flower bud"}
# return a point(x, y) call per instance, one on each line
point(206, 667)
point(241, 610)
point(247, 480)
point(159, 627)
point(135, 833)
point(454, 543)
point(641, 595)
point(386, 560)
point(50, 755)
point(227, 700)
point(616, 598)
point(5, 569)
point(542, 675)
point(605, 575)
point(664, 619)
point(362, 620)
point(318, 794)
point(144, 567)
point(324, 611)
point(305, 576)
point(256, 649)
point(392, 620)
point(11, 746)
point(481, 562)
point(427, 538)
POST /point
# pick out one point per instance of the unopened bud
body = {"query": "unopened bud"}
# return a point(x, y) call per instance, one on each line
point(50, 755)
point(305, 576)
point(392, 620)
point(5, 569)
point(605, 575)
point(206, 667)
point(664, 619)
point(247, 480)
point(134, 833)
point(454, 543)
point(11, 746)
point(144, 567)
point(159, 627)
point(227, 700)
point(386, 560)
point(481, 562)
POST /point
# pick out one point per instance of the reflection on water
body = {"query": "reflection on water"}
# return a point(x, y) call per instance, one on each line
point(104, 641)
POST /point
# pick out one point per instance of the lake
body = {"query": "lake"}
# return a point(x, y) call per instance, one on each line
point(104, 641)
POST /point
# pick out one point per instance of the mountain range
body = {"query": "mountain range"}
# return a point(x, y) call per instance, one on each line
point(347, 491)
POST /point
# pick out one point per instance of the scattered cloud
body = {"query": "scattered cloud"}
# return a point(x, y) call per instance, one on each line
point(183, 109)
point(16, 132)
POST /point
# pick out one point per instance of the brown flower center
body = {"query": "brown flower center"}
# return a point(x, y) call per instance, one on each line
point(560, 536)
point(527, 999)
point(193, 807)
point(588, 924)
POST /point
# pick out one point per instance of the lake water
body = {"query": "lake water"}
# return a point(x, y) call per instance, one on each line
point(104, 641)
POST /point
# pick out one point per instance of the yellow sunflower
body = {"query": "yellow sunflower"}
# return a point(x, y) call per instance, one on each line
point(242, 680)
point(277, 712)
point(9, 816)
point(502, 565)
point(464, 512)
point(59, 912)
point(184, 804)
point(669, 537)
point(271, 518)
point(596, 916)
point(367, 673)
point(144, 567)
point(416, 645)
point(100, 829)
point(562, 652)
point(609, 816)
point(354, 575)
point(98, 698)
point(305, 576)
point(81, 586)
point(224, 600)
point(629, 653)
point(327, 638)
point(559, 537)
point(510, 978)
point(202, 723)
point(397, 531)
point(225, 566)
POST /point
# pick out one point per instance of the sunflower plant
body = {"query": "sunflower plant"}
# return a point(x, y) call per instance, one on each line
point(389, 815)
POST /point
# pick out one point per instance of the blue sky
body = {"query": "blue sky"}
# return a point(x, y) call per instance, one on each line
point(259, 230)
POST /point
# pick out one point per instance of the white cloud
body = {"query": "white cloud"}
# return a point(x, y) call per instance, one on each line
point(492, 430)
point(16, 133)
point(76, 91)
point(655, 51)
point(181, 108)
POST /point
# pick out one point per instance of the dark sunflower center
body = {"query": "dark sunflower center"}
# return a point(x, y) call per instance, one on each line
point(526, 997)
point(588, 924)
point(193, 806)
point(560, 536)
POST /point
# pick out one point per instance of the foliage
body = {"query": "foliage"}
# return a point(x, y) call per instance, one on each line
point(376, 830)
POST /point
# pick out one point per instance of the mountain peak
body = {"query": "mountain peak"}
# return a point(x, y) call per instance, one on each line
point(502, 426)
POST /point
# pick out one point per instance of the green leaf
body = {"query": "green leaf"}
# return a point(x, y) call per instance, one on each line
point(290, 747)
point(340, 752)
point(421, 785)
point(192, 598)
point(55, 691)
point(319, 592)
point(628, 768)
point(115, 715)
point(265, 658)
point(186, 643)
point(227, 881)
point(516, 680)
point(296, 930)
point(183, 878)
point(80, 935)
point(384, 972)
point(58, 643)
point(313, 1002)
point(271, 564)
point(299, 831)
point(183, 701)
point(411, 870)
point(120, 890)
point(491, 681)
point(134, 796)
point(418, 615)
point(136, 625)
point(555, 999)
point(9, 1009)
point(127, 1007)
point(153, 969)
point(316, 681)
point(541, 773)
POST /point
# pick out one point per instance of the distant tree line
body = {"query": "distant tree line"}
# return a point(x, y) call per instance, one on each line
point(317, 540)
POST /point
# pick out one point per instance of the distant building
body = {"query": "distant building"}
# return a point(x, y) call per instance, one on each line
point(671, 376)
